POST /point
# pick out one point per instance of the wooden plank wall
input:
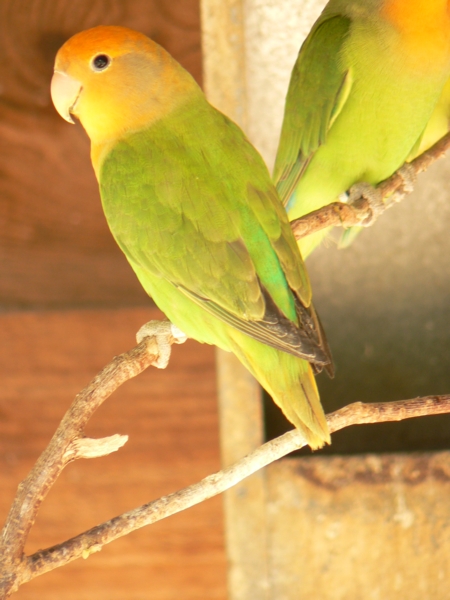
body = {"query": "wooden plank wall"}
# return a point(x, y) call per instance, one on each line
point(55, 248)
point(171, 418)
point(69, 303)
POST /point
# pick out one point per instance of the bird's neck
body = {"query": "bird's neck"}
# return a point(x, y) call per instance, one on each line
point(418, 15)
point(424, 25)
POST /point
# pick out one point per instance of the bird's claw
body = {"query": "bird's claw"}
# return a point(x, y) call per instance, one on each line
point(165, 334)
point(408, 175)
point(372, 196)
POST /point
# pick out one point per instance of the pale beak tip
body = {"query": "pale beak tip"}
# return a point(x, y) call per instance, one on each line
point(64, 91)
point(69, 119)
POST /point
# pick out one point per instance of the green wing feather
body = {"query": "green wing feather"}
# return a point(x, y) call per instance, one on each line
point(171, 197)
point(323, 90)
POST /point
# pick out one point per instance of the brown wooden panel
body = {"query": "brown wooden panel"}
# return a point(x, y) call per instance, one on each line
point(171, 418)
point(55, 247)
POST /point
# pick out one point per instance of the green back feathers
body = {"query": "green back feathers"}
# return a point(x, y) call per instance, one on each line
point(193, 208)
point(183, 207)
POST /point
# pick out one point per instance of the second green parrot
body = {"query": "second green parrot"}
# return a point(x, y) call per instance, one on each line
point(362, 93)
point(192, 205)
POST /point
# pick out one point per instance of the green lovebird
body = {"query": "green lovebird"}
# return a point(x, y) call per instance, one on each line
point(192, 205)
point(363, 89)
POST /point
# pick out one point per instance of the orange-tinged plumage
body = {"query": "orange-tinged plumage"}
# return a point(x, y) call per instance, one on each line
point(121, 42)
point(363, 89)
point(192, 205)
point(424, 26)
point(121, 100)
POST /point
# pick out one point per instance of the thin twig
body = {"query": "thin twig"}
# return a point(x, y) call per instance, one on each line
point(360, 212)
point(67, 444)
point(94, 448)
point(94, 539)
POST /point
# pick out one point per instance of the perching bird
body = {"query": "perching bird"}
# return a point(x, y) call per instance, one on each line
point(365, 84)
point(191, 204)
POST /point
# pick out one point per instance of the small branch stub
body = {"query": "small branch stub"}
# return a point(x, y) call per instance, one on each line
point(67, 444)
point(93, 540)
point(94, 448)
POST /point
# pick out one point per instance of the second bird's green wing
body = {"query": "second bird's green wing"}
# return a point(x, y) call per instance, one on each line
point(318, 89)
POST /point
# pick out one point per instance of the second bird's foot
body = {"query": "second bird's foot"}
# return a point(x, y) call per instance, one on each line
point(165, 333)
point(408, 176)
point(372, 196)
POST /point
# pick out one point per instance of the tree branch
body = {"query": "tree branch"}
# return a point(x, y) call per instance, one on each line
point(360, 212)
point(67, 444)
point(94, 539)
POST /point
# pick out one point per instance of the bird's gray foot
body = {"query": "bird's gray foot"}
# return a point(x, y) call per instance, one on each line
point(165, 334)
point(371, 195)
point(408, 175)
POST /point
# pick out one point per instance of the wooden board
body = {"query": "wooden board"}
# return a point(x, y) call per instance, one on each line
point(55, 246)
point(171, 418)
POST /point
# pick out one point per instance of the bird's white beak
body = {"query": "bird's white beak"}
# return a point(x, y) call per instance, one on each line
point(64, 91)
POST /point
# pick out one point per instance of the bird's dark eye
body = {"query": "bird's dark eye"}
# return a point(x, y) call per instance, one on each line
point(101, 62)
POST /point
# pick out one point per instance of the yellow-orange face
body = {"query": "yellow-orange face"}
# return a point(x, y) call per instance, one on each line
point(116, 80)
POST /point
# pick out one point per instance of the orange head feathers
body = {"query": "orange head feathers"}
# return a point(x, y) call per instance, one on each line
point(424, 26)
point(116, 80)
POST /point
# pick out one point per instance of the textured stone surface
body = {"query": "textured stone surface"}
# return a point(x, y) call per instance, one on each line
point(385, 301)
point(373, 527)
point(370, 527)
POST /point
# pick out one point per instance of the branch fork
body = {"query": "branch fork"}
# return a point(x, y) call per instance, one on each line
point(69, 443)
